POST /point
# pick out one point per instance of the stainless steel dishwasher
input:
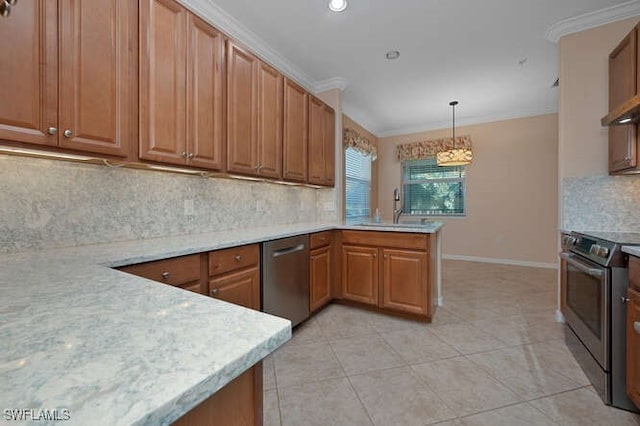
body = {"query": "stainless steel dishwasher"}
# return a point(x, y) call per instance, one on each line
point(285, 278)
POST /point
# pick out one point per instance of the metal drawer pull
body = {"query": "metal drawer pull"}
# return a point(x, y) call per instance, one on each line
point(636, 327)
point(289, 250)
point(52, 130)
point(571, 260)
point(165, 275)
point(67, 133)
point(215, 291)
point(238, 258)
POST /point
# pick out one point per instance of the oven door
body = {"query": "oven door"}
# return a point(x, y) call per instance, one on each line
point(587, 293)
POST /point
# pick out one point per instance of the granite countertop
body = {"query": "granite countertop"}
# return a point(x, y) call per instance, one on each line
point(632, 250)
point(113, 348)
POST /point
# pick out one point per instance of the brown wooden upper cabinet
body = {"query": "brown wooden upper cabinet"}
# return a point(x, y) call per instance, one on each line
point(70, 74)
point(181, 87)
point(296, 132)
point(623, 85)
point(254, 115)
point(321, 143)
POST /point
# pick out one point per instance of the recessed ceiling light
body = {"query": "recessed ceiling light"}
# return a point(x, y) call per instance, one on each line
point(392, 54)
point(337, 5)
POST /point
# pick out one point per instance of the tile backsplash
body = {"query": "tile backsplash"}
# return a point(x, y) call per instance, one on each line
point(601, 203)
point(48, 203)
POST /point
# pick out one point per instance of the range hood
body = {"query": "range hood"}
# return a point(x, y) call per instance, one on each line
point(626, 113)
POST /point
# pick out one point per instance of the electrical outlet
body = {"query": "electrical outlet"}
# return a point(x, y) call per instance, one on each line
point(329, 206)
point(301, 205)
point(259, 206)
point(189, 209)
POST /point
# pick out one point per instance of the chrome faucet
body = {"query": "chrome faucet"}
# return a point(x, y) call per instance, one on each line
point(396, 211)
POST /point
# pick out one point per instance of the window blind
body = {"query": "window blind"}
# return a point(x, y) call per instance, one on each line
point(432, 190)
point(358, 184)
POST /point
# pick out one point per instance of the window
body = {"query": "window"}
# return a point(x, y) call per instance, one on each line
point(432, 190)
point(358, 184)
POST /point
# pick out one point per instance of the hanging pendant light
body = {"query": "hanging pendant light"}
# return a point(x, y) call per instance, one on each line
point(454, 156)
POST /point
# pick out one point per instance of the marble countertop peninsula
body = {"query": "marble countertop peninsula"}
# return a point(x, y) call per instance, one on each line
point(632, 250)
point(113, 348)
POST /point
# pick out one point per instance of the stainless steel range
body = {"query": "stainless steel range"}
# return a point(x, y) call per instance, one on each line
point(595, 281)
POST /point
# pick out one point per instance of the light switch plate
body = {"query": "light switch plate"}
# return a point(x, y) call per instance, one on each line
point(259, 206)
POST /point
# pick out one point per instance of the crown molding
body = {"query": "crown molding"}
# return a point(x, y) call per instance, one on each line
point(592, 20)
point(331, 84)
point(219, 18)
point(468, 121)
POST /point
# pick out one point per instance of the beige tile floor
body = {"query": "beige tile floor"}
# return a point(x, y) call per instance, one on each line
point(493, 355)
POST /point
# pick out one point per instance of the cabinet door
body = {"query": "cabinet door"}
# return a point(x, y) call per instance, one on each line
point(329, 145)
point(633, 347)
point(622, 87)
point(163, 48)
point(205, 95)
point(622, 147)
point(241, 288)
point(269, 143)
point(360, 274)
point(405, 281)
point(320, 278)
point(242, 105)
point(98, 75)
point(238, 403)
point(29, 72)
point(622, 71)
point(296, 127)
point(316, 142)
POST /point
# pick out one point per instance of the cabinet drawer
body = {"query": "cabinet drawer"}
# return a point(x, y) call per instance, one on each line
point(634, 272)
point(222, 261)
point(386, 239)
point(175, 271)
point(321, 239)
point(241, 288)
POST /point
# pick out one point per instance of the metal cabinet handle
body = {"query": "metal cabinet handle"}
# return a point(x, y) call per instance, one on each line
point(166, 275)
point(375, 254)
point(52, 130)
point(67, 133)
point(215, 291)
point(238, 258)
point(636, 327)
point(191, 155)
point(624, 299)
point(184, 154)
point(386, 256)
point(627, 158)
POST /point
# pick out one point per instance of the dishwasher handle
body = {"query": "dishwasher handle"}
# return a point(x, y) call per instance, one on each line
point(288, 250)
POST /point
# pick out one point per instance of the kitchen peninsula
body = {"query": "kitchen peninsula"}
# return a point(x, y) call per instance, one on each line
point(113, 348)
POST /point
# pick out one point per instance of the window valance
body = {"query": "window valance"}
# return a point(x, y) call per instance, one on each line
point(353, 139)
point(428, 149)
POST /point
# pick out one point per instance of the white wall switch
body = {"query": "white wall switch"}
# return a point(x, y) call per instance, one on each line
point(301, 205)
point(259, 206)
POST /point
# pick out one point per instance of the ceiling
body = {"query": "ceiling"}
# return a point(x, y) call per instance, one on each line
point(492, 55)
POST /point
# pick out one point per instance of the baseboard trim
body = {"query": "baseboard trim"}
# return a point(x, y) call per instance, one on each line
point(501, 261)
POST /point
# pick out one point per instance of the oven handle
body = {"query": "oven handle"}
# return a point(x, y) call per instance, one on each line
point(571, 258)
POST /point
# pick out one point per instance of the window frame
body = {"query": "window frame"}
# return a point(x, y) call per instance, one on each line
point(462, 180)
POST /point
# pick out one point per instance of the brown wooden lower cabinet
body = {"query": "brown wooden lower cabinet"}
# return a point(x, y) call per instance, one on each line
point(320, 277)
point(241, 288)
point(633, 347)
point(402, 282)
point(234, 275)
point(239, 403)
point(183, 272)
point(360, 274)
